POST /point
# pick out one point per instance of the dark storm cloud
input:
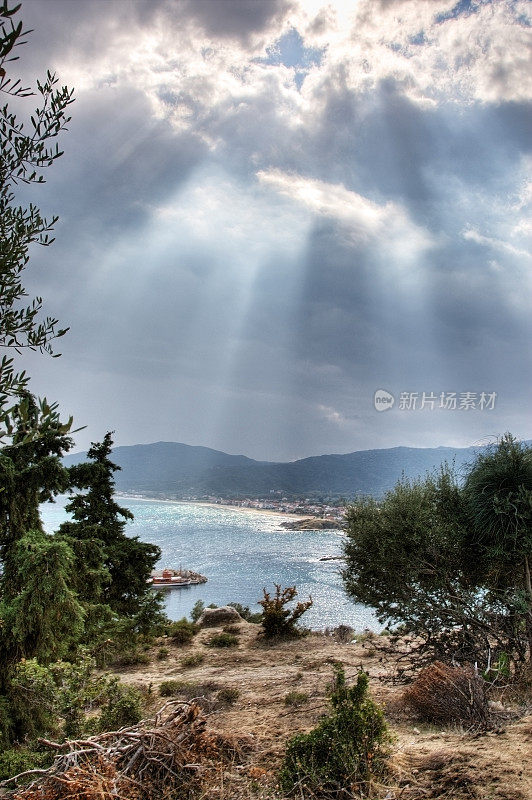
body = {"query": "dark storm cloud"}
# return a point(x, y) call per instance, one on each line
point(233, 18)
point(383, 144)
point(273, 350)
point(355, 318)
point(119, 165)
point(116, 169)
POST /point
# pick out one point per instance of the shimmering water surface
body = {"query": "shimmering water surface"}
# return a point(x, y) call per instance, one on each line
point(240, 553)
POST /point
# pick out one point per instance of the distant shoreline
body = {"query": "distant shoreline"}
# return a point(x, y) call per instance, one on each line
point(265, 511)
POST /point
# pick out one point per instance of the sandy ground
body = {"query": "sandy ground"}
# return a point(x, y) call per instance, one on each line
point(426, 762)
point(265, 511)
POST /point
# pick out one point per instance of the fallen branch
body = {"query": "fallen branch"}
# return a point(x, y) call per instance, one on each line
point(162, 757)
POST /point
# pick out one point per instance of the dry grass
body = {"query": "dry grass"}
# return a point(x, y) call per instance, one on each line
point(445, 693)
point(437, 762)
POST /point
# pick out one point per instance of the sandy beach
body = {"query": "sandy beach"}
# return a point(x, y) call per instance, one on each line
point(264, 511)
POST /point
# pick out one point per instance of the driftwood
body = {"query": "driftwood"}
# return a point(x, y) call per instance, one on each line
point(159, 758)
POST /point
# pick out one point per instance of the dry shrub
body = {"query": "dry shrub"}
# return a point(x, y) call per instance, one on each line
point(91, 780)
point(343, 634)
point(443, 693)
point(170, 757)
point(279, 622)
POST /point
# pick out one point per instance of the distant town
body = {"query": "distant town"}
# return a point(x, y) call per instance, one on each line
point(306, 507)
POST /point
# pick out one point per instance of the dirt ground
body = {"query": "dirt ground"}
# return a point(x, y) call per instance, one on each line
point(427, 761)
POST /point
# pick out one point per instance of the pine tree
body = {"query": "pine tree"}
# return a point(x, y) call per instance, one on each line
point(40, 615)
point(121, 579)
point(31, 473)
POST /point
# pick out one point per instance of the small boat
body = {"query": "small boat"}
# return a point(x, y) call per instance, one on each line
point(171, 578)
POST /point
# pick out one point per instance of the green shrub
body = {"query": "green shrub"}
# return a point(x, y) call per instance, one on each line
point(34, 700)
point(232, 629)
point(187, 689)
point(123, 707)
point(19, 759)
point(182, 631)
point(343, 634)
point(197, 610)
point(246, 613)
point(6, 723)
point(222, 640)
point(56, 700)
point(193, 660)
point(344, 752)
point(228, 695)
point(295, 698)
point(162, 653)
point(279, 622)
point(171, 688)
point(130, 657)
point(499, 670)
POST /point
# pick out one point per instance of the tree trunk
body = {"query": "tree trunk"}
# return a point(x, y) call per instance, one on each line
point(528, 587)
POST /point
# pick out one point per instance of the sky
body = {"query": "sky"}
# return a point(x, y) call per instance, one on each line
point(271, 210)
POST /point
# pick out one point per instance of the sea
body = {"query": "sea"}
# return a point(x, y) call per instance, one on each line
point(241, 553)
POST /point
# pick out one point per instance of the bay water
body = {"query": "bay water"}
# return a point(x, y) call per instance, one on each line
point(240, 553)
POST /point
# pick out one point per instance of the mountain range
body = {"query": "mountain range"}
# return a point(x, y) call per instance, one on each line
point(176, 470)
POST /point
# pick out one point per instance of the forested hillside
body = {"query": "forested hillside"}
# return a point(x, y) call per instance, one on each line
point(179, 470)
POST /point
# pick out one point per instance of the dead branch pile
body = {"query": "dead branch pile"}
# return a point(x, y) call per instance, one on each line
point(169, 756)
point(443, 693)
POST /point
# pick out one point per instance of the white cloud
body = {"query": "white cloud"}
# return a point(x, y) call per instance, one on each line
point(433, 55)
point(472, 235)
point(332, 415)
point(363, 218)
point(192, 76)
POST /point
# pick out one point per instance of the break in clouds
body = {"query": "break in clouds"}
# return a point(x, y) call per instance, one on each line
point(269, 210)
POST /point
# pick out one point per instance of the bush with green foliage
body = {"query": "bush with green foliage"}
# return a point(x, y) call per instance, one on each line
point(236, 629)
point(171, 688)
point(222, 640)
point(123, 707)
point(246, 613)
point(228, 695)
point(34, 700)
point(182, 631)
point(197, 610)
point(278, 621)
point(345, 752)
point(22, 758)
point(295, 698)
point(450, 563)
point(130, 657)
point(187, 689)
point(60, 700)
point(192, 660)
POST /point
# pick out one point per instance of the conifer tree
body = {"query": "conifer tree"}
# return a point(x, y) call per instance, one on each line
point(98, 527)
point(31, 473)
point(40, 615)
